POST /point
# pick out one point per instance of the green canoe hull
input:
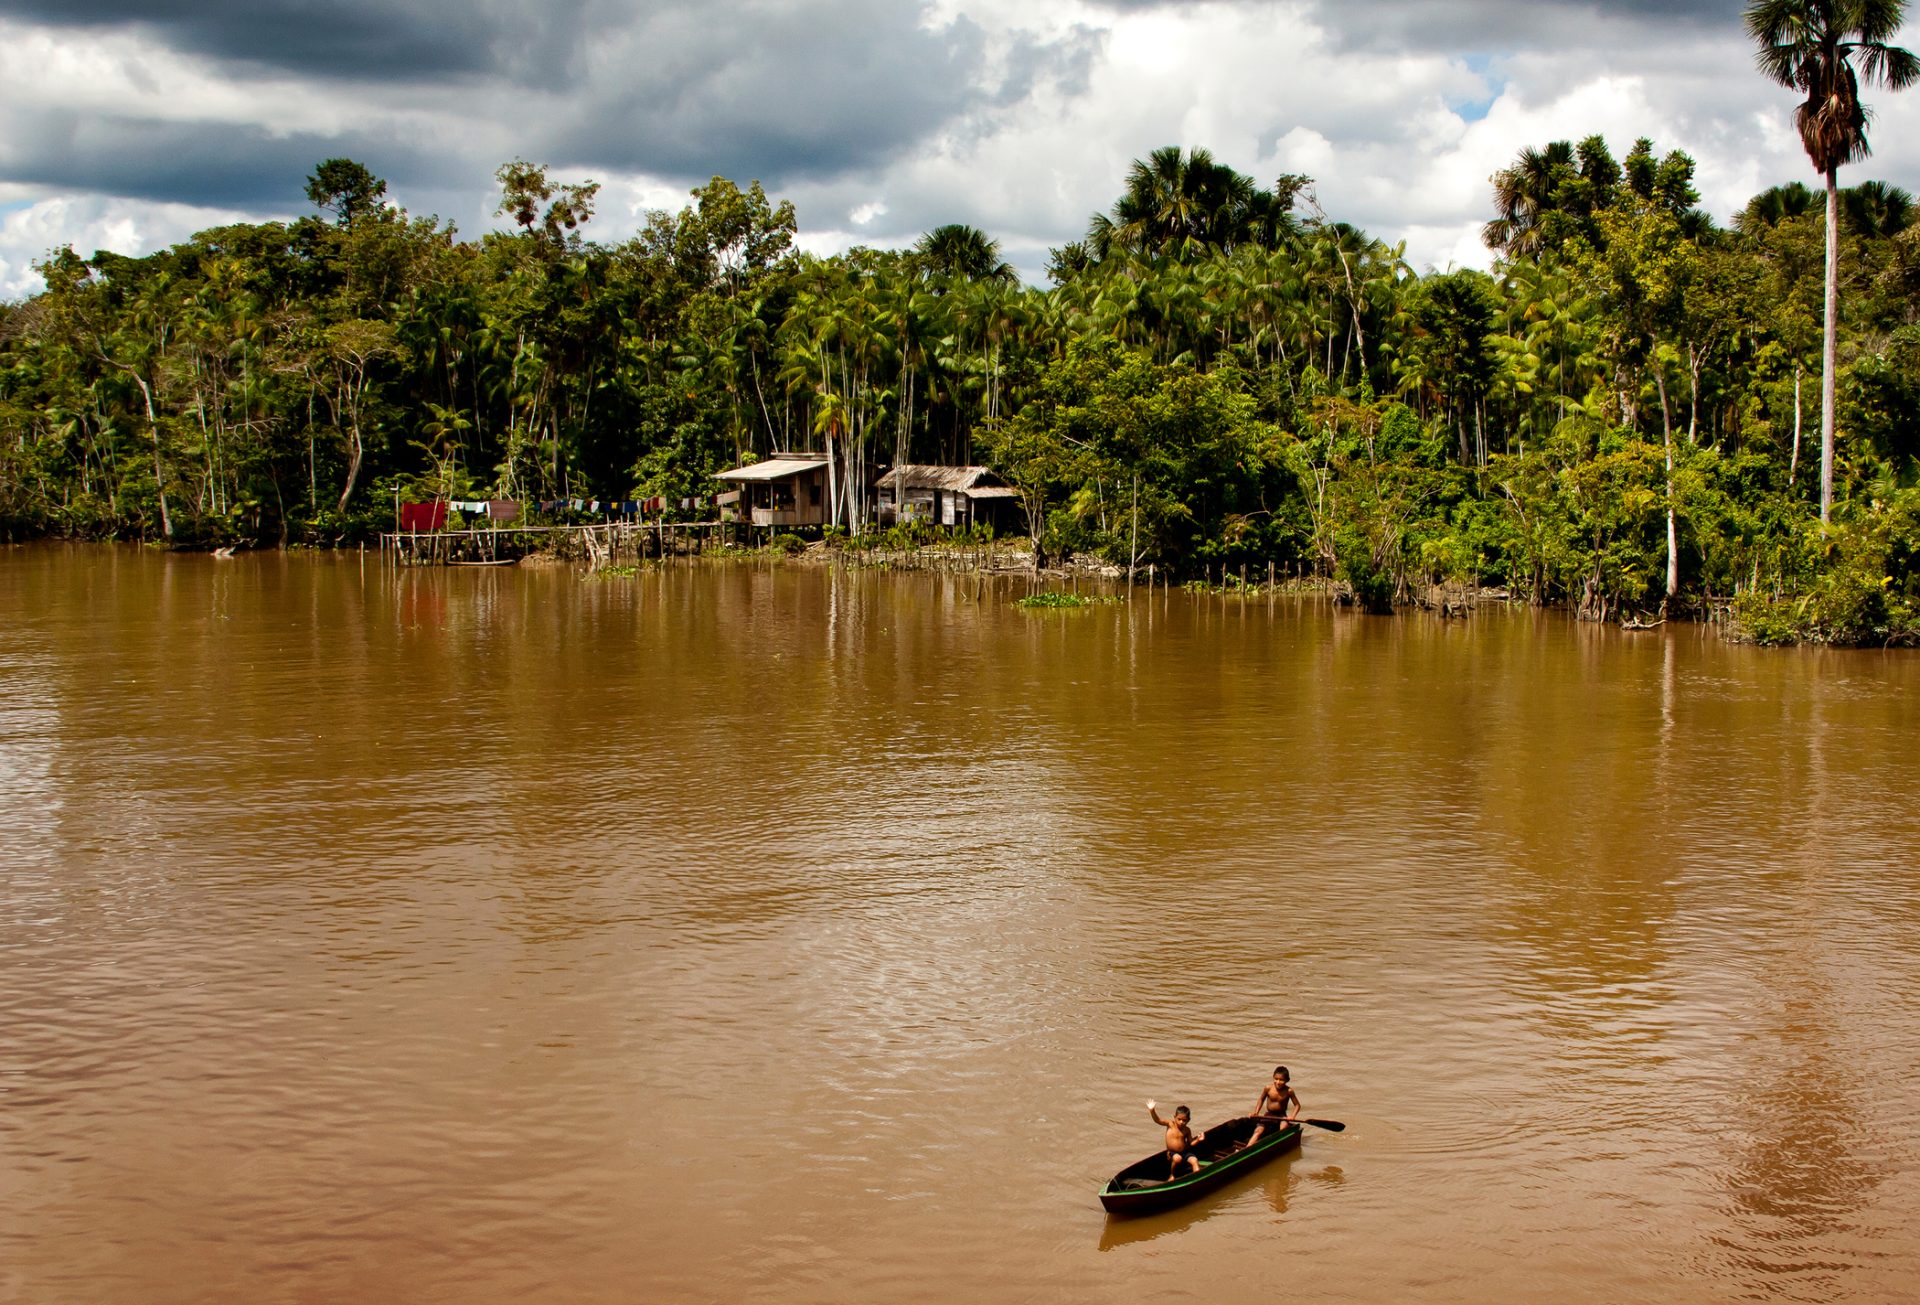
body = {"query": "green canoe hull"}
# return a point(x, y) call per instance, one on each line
point(1141, 1188)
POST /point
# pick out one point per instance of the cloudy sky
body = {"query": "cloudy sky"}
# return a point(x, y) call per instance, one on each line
point(129, 124)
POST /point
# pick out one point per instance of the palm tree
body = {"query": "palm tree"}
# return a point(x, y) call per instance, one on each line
point(960, 251)
point(1524, 194)
point(1547, 194)
point(1773, 206)
point(1813, 46)
point(1182, 202)
point(1875, 210)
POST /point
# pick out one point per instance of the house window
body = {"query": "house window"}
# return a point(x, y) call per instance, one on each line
point(813, 491)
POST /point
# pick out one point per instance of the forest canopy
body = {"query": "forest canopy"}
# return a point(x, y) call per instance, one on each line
point(1616, 417)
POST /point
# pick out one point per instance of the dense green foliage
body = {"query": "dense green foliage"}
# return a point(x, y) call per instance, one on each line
point(1614, 418)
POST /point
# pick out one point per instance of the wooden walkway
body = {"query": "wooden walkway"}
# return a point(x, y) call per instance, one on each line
point(602, 545)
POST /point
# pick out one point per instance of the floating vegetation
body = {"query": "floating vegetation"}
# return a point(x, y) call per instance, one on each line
point(1053, 598)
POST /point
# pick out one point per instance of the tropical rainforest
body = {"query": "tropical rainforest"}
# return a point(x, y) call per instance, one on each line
point(1627, 415)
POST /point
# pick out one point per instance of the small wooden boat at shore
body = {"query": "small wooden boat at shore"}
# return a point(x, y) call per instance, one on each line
point(1143, 1187)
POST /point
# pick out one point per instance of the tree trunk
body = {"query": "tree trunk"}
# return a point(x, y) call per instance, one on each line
point(1133, 544)
point(901, 433)
point(159, 475)
point(352, 404)
point(1828, 351)
point(1693, 395)
point(353, 471)
point(1673, 533)
point(833, 482)
point(1793, 467)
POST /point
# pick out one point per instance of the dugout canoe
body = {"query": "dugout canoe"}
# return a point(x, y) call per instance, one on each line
point(1143, 1187)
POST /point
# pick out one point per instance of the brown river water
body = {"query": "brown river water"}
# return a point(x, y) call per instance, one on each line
point(739, 932)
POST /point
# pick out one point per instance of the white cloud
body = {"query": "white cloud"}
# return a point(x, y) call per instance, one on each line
point(30, 232)
point(116, 138)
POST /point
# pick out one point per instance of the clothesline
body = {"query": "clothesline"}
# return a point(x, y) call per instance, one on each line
point(432, 515)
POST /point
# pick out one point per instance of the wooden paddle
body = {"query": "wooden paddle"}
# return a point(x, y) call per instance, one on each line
point(1331, 1125)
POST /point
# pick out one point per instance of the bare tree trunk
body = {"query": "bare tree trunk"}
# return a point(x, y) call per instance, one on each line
point(359, 450)
point(1793, 467)
point(901, 432)
point(1353, 302)
point(1673, 533)
point(1829, 353)
point(1133, 544)
point(1693, 395)
point(159, 475)
point(761, 395)
point(833, 482)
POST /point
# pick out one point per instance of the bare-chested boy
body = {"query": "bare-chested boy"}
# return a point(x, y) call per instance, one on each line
point(1180, 1139)
point(1276, 1098)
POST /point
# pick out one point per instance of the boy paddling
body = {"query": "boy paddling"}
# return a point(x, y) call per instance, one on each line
point(1276, 1098)
point(1180, 1139)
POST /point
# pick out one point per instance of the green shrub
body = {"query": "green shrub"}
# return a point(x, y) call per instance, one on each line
point(1856, 582)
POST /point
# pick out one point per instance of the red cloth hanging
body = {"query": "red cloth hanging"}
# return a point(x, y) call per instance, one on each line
point(423, 516)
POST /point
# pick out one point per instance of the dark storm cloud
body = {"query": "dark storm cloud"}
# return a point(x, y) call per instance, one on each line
point(775, 89)
point(769, 91)
point(1066, 63)
point(1450, 26)
point(359, 39)
point(217, 165)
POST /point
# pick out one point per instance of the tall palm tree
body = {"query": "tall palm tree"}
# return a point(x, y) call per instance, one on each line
point(1824, 49)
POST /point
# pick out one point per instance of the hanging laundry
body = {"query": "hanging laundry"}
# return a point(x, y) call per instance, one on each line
point(501, 509)
point(468, 505)
point(423, 516)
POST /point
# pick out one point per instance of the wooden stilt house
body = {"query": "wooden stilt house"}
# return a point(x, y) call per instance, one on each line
point(788, 489)
point(947, 496)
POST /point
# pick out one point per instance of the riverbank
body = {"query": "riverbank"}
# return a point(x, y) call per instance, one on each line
point(1845, 610)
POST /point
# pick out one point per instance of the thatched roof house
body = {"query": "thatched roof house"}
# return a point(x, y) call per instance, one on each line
point(945, 496)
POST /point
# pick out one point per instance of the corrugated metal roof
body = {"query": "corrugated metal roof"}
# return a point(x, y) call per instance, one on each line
point(773, 469)
point(923, 476)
